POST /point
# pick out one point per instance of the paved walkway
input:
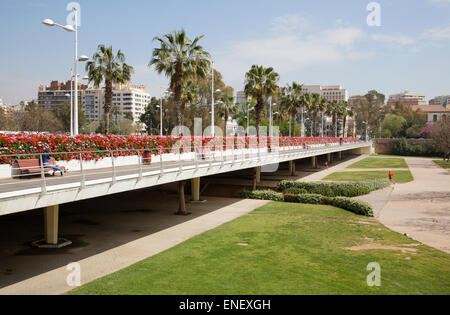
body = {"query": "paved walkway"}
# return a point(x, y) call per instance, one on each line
point(421, 208)
point(116, 258)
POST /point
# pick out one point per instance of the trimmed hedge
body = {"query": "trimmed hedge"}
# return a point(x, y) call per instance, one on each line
point(335, 189)
point(295, 191)
point(349, 204)
point(262, 195)
point(353, 205)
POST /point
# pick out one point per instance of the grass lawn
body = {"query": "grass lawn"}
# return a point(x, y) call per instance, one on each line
point(399, 176)
point(400, 156)
point(443, 164)
point(292, 249)
point(380, 163)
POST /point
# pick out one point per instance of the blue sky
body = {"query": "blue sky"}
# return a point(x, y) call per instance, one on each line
point(311, 42)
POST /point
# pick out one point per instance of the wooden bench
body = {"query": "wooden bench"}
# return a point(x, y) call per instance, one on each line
point(33, 167)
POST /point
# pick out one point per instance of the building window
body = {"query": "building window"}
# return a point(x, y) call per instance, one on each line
point(435, 118)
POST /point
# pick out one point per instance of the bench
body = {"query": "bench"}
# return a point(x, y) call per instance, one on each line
point(33, 167)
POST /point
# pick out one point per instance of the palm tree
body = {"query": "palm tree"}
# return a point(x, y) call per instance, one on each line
point(189, 96)
point(226, 108)
point(308, 104)
point(110, 68)
point(332, 110)
point(322, 108)
point(291, 101)
point(260, 83)
point(347, 112)
point(180, 59)
point(315, 108)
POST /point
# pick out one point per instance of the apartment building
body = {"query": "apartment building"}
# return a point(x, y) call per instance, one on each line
point(131, 99)
point(329, 92)
point(440, 100)
point(408, 98)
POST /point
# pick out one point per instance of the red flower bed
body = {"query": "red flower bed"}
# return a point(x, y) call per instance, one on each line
point(95, 147)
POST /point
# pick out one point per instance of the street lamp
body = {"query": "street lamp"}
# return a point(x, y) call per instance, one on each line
point(73, 29)
point(166, 93)
point(271, 118)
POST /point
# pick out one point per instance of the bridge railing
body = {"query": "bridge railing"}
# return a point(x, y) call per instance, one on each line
point(34, 169)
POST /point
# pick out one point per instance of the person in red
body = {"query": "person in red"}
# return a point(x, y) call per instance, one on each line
point(391, 176)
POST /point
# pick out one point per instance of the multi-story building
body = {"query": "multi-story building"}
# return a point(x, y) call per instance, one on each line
point(329, 92)
point(57, 93)
point(440, 100)
point(408, 98)
point(126, 99)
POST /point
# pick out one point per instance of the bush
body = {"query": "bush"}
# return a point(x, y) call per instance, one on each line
point(262, 195)
point(353, 205)
point(403, 148)
point(292, 198)
point(310, 199)
point(334, 189)
point(295, 191)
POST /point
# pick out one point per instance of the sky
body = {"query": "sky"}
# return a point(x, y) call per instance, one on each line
point(325, 42)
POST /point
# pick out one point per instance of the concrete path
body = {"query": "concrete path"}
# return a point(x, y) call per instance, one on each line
point(116, 258)
point(421, 209)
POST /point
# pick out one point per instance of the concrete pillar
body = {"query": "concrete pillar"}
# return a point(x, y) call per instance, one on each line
point(195, 189)
point(258, 174)
point(292, 168)
point(340, 155)
point(51, 219)
point(329, 158)
point(181, 201)
point(314, 162)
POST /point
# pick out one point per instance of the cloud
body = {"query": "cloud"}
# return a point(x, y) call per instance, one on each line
point(400, 40)
point(289, 23)
point(437, 33)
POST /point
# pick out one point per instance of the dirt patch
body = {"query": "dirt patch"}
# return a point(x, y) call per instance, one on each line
point(407, 248)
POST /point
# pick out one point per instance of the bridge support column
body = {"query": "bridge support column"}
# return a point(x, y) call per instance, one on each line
point(51, 224)
point(51, 221)
point(195, 189)
point(340, 155)
point(330, 157)
point(292, 168)
point(181, 200)
point(314, 162)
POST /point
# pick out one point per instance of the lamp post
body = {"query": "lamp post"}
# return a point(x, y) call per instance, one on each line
point(167, 92)
point(73, 29)
point(212, 98)
point(271, 118)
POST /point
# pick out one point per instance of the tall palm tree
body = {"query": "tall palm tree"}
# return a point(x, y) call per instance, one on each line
point(189, 96)
point(315, 108)
point(180, 59)
point(107, 67)
point(332, 110)
point(260, 83)
point(308, 103)
point(226, 108)
point(322, 108)
point(347, 112)
point(289, 104)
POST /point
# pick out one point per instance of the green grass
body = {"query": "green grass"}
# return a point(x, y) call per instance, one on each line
point(292, 249)
point(380, 163)
point(401, 156)
point(399, 176)
point(443, 164)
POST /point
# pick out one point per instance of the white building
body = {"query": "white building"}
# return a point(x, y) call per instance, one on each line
point(408, 98)
point(439, 100)
point(329, 92)
point(131, 99)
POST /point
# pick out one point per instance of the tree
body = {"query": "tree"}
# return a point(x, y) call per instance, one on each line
point(441, 136)
point(37, 119)
point(370, 109)
point(291, 101)
point(62, 113)
point(333, 110)
point(8, 121)
point(394, 124)
point(348, 113)
point(107, 67)
point(260, 83)
point(226, 108)
point(180, 59)
point(150, 117)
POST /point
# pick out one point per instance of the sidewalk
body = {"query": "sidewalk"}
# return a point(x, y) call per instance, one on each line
point(112, 260)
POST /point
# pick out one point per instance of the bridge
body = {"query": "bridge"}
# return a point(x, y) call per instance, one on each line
point(19, 193)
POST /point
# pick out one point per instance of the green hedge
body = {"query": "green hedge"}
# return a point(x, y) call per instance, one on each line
point(295, 191)
point(262, 195)
point(334, 189)
point(345, 203)
point(353, 205)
